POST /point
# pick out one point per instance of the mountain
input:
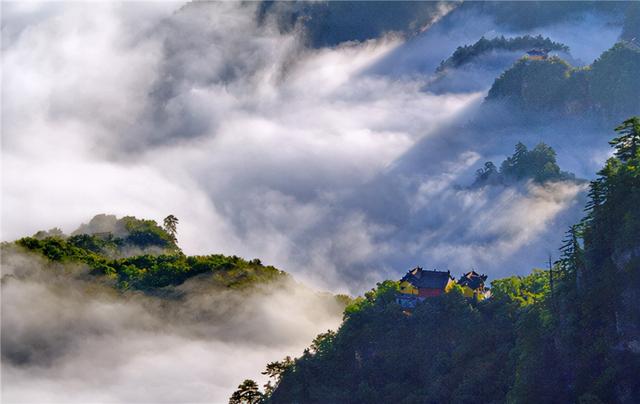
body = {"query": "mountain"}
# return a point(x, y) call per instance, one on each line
point(466, 54)
point(332, 23)
point(606, 90)
point(538, 165)
point(567, 334)
point(117, 304)
point(158, 263)
point(327, 23)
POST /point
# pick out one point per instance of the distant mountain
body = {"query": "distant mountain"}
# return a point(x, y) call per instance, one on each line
point(466, 54)
point(538, 165)
point(331, 23)
point(327, 23)
point(607, 90)
point(138, 254)
point(119, 321)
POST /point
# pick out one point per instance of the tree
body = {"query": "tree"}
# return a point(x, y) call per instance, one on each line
point(514, 166)
point(247, 393)
point(486, 173)
point(170, 226)
point(628, 143)
point(596, 197)
point(571, 258)
point(275, 370)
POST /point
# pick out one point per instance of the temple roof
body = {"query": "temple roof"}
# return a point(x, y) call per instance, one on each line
point(472, 279)
point(421, 278)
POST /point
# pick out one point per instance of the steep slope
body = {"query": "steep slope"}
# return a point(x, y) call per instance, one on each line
point(607, 89)
point(467, 53)
point(570, 335)
point(81, 313)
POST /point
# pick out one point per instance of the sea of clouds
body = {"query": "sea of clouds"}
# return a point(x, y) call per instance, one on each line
point(262, 146)
point(67, 338)
point(336, 164)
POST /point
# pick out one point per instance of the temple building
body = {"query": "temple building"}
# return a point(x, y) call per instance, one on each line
point(538, 54)
point(418, 284)
point(472, 284)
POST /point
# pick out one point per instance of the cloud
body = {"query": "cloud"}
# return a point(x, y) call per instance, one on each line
point(63, 332)
point(206, 116)
point(339, 165)
point(334, 164)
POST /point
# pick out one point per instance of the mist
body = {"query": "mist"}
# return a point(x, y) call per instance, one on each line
point(342, 160)
point(338, 164)
point(67, 337)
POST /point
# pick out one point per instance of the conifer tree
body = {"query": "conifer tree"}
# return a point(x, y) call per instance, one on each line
point(247, 393)
point(597, 197)
point(171, 226)
point(571, 251)
point(628, 143)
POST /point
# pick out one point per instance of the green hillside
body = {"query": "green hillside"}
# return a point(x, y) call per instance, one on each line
point(157, 263)
point(607, 89)
point(466, 54)
point(569, 334)
point(538, 164)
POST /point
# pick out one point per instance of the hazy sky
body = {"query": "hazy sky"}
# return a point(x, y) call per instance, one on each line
point(342, 165)
point(263, 147)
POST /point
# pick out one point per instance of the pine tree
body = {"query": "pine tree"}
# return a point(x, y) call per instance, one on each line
point(515, 165)
point(171, 226)
point(628, 143)
point(247, 393)
point(275, 370)
point(597, 197)
point(571, 251)
point(520, 153)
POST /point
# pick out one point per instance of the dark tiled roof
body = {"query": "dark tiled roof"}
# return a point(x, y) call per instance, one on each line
point(537, 52)
point(472, 279)
point(420, 278)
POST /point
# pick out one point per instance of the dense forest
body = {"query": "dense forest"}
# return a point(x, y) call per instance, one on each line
point(569, 333)
point(538, 164)
point(141, 255)
point(607, 89)
point(466, 54)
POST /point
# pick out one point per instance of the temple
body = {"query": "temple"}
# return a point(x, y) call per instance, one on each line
point(472, 285)
point(538, 54)
point(419, 284)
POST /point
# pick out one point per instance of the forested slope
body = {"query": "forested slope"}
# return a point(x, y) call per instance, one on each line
point(139, 254)
point(571, 334)
point(607, 89)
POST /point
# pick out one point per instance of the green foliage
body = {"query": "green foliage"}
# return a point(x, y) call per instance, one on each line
point(466, 54)
point(523, 291)
point(533, 85)
point(534, 341)
point(275, 371)
point(394, 357)
point(538, 164)
point(171, 226)
point(384, 293)
point(247, 393)
point(613, 82)
point(146, 233)
point(148, 272)
point(627, 145)
point(608, 89)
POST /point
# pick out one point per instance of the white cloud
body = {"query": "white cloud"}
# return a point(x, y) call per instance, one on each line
point(69, 340)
